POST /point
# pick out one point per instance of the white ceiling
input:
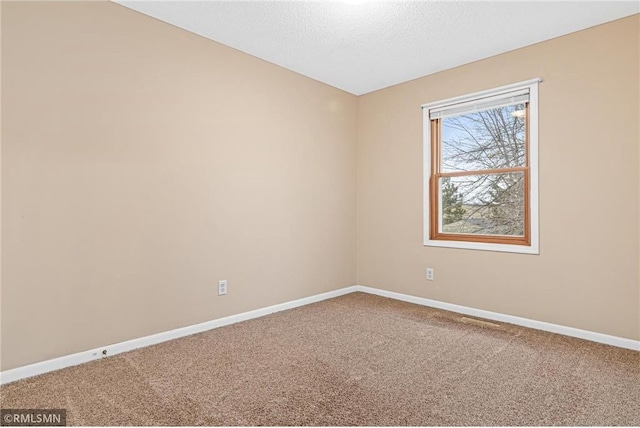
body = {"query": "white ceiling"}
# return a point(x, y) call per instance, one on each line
point(361, 46)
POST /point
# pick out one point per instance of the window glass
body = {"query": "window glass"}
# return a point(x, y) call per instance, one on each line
point(489, 139)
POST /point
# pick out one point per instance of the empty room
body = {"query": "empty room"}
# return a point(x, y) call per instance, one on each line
point(320, 213)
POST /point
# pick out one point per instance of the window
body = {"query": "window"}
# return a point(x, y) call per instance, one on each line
point(481, 170)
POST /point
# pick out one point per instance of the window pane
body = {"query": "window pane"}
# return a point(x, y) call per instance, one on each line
point(487, 139)
point(490, 204)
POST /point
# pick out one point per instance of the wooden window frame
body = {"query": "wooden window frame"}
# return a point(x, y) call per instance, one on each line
point(528, 243)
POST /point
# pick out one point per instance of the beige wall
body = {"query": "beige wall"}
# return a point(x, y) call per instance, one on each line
point(142, 163)
point(587, 273)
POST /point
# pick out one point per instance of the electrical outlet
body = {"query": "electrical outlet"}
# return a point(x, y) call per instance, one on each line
point(222, 287)
point(430, 274)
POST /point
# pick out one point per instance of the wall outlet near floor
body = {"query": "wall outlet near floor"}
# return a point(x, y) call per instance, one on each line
point(429, 274)
point(222, 287)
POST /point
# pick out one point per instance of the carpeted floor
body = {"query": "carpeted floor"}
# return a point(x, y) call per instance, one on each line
point(353, 360)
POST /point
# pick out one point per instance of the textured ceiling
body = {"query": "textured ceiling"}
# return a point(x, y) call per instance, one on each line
point(361, 46)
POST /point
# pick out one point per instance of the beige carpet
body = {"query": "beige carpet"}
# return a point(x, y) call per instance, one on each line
point(354, 360)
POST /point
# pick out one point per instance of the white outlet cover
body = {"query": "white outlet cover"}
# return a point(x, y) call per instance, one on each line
point(430, 274)
point(222, 287)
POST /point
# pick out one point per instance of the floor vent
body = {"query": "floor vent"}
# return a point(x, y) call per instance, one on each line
point(479, 322)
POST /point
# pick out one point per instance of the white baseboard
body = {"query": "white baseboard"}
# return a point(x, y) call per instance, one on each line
point(117, 348)
point(619, 342)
